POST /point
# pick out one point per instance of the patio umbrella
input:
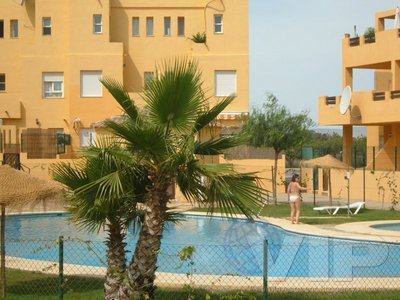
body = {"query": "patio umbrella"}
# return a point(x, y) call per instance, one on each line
point(327, 162)
point(397, 18)
point(18, 189)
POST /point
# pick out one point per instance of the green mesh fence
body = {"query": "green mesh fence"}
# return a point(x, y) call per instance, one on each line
point(294, 268)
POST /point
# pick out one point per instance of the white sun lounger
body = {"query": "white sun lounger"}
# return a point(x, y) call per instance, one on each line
point(332, 210)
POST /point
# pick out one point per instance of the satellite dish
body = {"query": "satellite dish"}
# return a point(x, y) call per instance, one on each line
point(345, 100)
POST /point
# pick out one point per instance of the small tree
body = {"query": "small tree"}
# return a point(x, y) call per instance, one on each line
point(274, 126)
point(105, 191)
point(164, 140)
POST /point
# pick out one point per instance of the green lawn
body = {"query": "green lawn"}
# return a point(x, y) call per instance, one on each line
point(23, 285)
point(309, 216)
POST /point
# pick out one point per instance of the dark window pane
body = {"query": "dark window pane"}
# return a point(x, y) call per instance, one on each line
point(1, 28)
point(2, 82)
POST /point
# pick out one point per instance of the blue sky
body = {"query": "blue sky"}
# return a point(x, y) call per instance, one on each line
point(295, 48)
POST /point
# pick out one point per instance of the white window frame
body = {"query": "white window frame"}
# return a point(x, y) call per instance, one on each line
point(46, 28)
point(14, 32)
point(135, 26)
point(149, 26)
point(225, 83)
point(218, 24)
point(91, 85)
point(2, 82)
point(181, 26)
point(87, 137)
point(50, 79)
point(167, 26)
point(97, 24)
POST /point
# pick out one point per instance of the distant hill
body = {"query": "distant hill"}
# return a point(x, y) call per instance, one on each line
point(357, 130)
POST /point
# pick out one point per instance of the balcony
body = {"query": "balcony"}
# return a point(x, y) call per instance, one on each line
point(367, 108)
point(372, 52)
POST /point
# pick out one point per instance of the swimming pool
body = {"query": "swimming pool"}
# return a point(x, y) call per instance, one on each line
point(223, 246)
point(391, 226)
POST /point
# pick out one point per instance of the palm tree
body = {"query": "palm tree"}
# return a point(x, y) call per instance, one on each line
point(104, 192)
point(164, 138)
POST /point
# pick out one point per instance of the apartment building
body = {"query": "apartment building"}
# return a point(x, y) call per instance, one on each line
point(377, 109)
point(54, 52)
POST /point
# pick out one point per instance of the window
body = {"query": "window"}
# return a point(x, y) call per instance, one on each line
point(62, 141)
point(90, 84)
point(46, 26)
point(2, 82)
point(181, 26)
point(1, 28)
point(148, 77)
point(53, 85)
point(218, 24)
point(135, 26)
point(14, 28)
point(225, 83)
point(149, 26)
point(87, 137)
point(167, 26)
point(97, 24)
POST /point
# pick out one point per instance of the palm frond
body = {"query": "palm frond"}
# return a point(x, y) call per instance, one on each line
point(145, 139)
point(217, 145)
point(71, 176)
point(207, 116)
point(235, 193)
point(119, 92)
point(174, 99)
point(220, 186)
point(103, 187)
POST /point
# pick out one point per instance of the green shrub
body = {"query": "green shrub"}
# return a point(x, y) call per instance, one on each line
point(199, 37)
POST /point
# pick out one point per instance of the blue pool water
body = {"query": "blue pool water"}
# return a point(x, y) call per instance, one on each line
point(393, 226)
point(223, 246)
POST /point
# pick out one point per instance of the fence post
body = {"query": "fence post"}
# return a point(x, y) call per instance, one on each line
point(265, 270)
point(355, 157)
point(61, 267)
point(373, 158)
point(364, 184)
point(274, 196)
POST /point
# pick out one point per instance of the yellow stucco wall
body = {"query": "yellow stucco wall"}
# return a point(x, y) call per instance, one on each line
point(378, 187)
point(73, 47)
point(264, 168)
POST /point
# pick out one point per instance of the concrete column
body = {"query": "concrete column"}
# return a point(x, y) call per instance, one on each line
point(347, 144)
point(380, 24)
point(348, 77)
point(395, 75)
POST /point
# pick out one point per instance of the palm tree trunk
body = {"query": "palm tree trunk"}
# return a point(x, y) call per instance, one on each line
point(274, 189)
point(141, 271)
point(116, 262)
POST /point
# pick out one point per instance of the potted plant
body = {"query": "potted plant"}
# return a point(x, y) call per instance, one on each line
point(199, 38)
point(369, 35)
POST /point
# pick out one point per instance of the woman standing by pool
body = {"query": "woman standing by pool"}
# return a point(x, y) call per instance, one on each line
point(294, 199)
